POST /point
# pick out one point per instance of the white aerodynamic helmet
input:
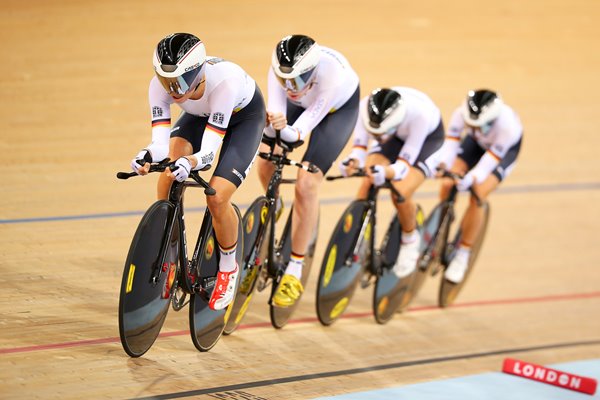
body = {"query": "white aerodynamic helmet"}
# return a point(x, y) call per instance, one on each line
point(295, 60)
point(481, 107)
point(179, 62)
point(385, 110)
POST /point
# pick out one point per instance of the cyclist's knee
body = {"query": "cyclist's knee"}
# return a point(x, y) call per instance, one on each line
point(217, 204)
point(307, 185)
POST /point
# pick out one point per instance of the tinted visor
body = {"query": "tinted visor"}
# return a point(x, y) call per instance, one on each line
point(298, 83)
point(182, 84)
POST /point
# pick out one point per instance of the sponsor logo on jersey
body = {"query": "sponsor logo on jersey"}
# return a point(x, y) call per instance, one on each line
point(218, 118)
point(157, 112)
point(208, 158)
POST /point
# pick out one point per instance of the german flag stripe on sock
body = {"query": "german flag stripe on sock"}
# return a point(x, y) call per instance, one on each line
point(228, 250)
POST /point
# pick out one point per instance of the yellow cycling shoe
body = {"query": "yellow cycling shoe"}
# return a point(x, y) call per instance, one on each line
point(289, 290)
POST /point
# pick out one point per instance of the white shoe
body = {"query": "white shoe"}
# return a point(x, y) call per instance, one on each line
point(458, 266)
point(407, 259)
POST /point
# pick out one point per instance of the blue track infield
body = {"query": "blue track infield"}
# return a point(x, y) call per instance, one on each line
point(490, 386)
point(539, 188)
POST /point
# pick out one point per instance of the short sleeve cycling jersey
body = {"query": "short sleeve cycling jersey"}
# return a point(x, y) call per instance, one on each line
point(335, 82)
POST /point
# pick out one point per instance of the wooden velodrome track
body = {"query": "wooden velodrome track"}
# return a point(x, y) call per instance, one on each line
point(73, 83)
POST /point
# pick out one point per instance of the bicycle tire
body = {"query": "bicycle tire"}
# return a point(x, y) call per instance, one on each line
point(207, 325)
point(143, 305)
point(450, 290)
point(254, 217)
point(430, 235)
point(393, 294)
point(337, 280)
point(280, 315)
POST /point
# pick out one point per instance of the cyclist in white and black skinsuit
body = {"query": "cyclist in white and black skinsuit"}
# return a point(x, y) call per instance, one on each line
point(409, 133)
point(314, 89)
point(222, 107)
point(485, 157)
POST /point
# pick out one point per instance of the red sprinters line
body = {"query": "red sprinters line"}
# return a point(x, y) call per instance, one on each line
point(79, 343)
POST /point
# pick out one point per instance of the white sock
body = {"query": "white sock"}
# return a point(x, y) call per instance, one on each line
point(227, 263)
point(410, 237)
point(463, 251)
point(294, 267)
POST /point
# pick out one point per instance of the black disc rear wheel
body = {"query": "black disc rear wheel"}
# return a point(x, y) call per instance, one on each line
point(393, 294)
point(450, 290)
point(432, 243)
point(343, 263)
point(281, 315)
point(253, 222)
point(148, 279)
point(207, 325)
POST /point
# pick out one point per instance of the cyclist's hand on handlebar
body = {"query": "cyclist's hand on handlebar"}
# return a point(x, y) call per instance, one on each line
point(440, 170)
point(348, 166)
point(377, 174)
point(180, 169)
point(277, 120)
point(465, 183)
point(141, 163)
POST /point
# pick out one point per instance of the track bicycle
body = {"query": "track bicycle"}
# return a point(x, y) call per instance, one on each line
point(265, 257)
point(352, 257)
point(158, 273)
point(439, 251)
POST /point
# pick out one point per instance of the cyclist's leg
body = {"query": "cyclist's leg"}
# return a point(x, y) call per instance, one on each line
point(236, 157)
point(474, 215)
point(237, 154)
point(424, 166)
point(327, 141)
point(459, 167)
point(407, 208)
point(225, 220)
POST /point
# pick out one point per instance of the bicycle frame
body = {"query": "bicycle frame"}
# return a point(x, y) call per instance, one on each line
point(374, 263)
point(190, 267)
point(436, 251)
